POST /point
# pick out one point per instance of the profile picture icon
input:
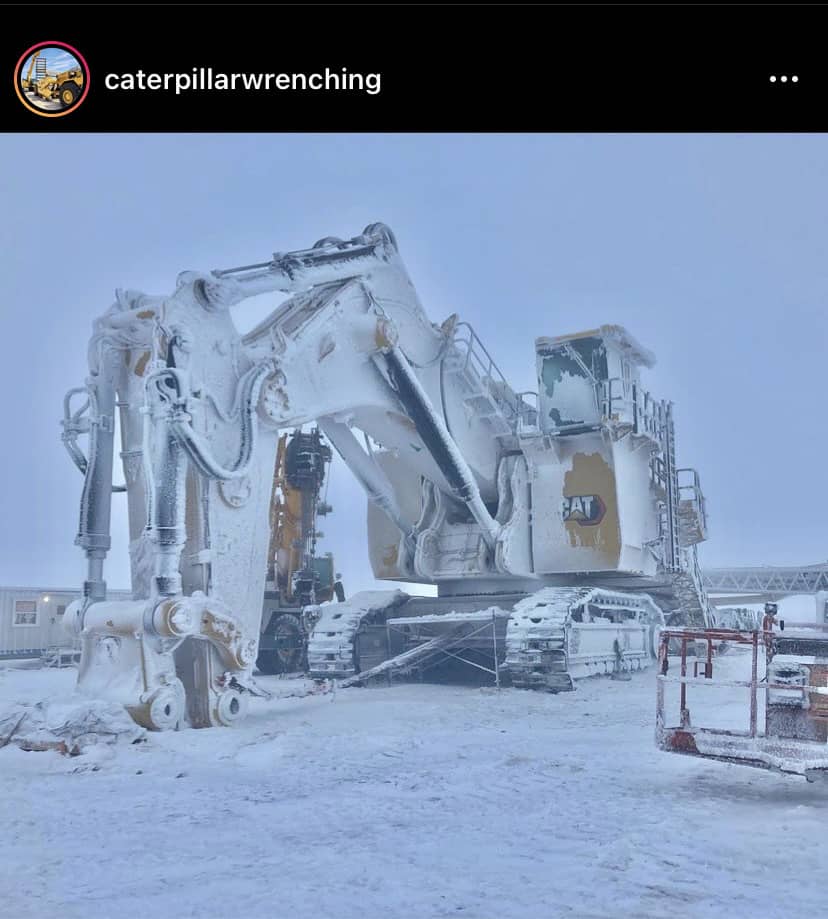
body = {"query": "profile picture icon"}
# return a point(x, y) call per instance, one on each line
point(51, 79)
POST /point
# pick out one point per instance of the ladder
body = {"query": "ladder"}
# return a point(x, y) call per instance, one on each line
point(672, 547)
point(40, 69)
point(681, 564)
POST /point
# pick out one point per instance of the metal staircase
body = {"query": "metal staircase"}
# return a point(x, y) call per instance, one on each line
point(487, 394)
point(688, 589)
point(692, 512)
point(683, 524)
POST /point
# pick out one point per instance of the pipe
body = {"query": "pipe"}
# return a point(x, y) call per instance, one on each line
point(73, 426)
point(439, 442)
point(165, 473)
point(164, 619)
point(197, 448)
point(96, 498)
point(326, 262)
point(175, 441)
point(167, 529)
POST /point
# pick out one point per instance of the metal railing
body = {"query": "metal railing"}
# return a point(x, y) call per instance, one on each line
point(696, 574)
point(690, 490)
point(528, 412)
point(754, 638)
point(773, 581)
point(475, 359)
point(625, 401)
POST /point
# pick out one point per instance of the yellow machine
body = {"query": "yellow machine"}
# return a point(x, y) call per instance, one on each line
point(60, 87)
point(285, 557)
point(296, 575)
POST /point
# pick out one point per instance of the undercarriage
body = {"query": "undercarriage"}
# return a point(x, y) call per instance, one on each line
point(544, 640)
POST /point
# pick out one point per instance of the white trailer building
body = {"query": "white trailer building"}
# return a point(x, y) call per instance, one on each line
point(31, 619)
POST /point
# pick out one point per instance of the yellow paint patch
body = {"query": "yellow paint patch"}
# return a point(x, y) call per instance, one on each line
point(145, 314)
point(384, 335)
point(141, 364)
point(389, 562)
point(591, 474)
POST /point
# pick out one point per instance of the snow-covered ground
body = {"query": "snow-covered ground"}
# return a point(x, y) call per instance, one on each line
point(410, 801)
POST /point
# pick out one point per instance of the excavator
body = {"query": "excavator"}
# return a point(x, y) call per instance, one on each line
point(559, 516)
point(296, 576)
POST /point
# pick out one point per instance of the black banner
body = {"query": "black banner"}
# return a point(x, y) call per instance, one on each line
point(410, 68)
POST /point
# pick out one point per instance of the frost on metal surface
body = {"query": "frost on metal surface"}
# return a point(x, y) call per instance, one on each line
point(562, 633)
point(788, 685)
point(331, 645)
point(66, 727)
point(473, 486)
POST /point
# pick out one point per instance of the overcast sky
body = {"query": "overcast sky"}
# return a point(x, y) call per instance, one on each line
point(710, 249)
point(57, 60)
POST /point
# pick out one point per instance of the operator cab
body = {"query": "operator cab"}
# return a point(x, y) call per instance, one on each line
point(588, 378)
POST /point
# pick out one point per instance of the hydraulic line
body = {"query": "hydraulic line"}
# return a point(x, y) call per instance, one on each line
point(194, 444)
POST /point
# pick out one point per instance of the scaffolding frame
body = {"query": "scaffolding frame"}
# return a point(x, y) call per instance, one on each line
point(435, 648)
point(490, 622)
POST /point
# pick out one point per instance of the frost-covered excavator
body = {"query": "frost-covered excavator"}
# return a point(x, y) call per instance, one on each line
point(562, 512)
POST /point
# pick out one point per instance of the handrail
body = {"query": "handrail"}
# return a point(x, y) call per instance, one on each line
point(528, 406)
point(636, 403)
point(696, 495)
point(698, 583)
point(755, 638)
point(470, 341)
point(486, 368)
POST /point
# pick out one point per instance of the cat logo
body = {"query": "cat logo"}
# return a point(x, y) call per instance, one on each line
point(585, 510)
